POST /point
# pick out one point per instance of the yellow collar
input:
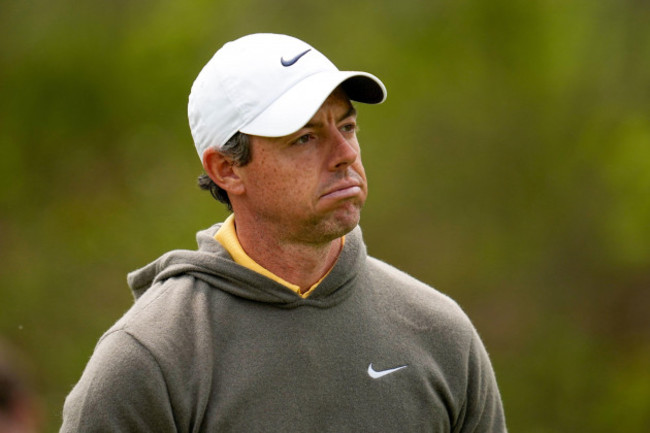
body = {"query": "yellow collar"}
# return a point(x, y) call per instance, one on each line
point(227, 237)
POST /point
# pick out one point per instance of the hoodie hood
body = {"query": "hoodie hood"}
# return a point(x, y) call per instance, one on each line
point(212, 264)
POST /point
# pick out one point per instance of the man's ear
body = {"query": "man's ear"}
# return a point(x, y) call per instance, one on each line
point(222, 171)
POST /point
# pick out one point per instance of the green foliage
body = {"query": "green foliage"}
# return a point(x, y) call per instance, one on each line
point(509, 167)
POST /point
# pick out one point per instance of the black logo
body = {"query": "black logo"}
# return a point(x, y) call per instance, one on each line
point(294, 60)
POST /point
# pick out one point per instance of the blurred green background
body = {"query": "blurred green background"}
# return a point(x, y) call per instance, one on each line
point(509, 168)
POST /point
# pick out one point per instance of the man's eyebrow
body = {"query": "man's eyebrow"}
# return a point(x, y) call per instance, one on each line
point(351, 112)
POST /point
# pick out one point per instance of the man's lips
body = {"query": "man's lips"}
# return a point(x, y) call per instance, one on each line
point(343, 190)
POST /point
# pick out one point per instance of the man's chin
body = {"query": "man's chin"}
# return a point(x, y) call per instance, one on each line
point(343, 221)
point(334, 224)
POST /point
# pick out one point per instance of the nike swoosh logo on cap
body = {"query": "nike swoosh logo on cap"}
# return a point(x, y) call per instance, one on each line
point(377, 374)
point(293, 60)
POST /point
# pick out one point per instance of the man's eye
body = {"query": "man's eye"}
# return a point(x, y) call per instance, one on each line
point(350, 127)
point(303, 139)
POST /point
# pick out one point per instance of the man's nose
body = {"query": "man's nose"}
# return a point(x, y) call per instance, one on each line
point(344, 152)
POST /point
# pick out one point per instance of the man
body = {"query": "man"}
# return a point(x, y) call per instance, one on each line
point(280, 322)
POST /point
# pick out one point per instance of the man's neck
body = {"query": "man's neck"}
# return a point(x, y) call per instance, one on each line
point(302, 264)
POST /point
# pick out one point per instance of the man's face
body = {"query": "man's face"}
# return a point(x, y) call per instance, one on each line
point(309, 186)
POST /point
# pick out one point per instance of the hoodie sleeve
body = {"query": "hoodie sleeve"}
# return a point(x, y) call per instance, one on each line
point(482, 411)
point(122, 389)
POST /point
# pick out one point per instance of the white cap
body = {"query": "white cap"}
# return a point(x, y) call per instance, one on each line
point(268, 85)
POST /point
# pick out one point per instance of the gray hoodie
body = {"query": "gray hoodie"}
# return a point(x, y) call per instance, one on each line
point(210, 346)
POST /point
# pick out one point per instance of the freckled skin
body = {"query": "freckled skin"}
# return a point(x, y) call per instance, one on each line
point(308, 187)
